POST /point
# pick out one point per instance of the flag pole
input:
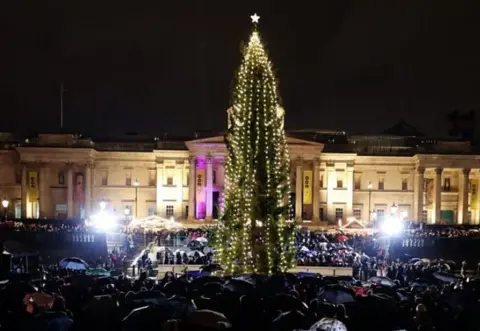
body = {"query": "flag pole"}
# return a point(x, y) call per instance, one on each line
point(61, 105)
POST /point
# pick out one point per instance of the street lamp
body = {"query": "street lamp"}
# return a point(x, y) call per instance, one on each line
point(126, 211)
point(136, 184)
point(394, 208)
point(369, 202)
point(103, 205)
point(5, 203)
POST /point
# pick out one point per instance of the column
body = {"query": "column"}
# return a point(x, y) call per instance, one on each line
point(298, 190)
point(331, 184)
point(463, 197)
point(70, 191)
point(209, 174)
point(180, 168)
point(316, 190)
point(191, 189)
point(437, 200)
point(24, 190)
point(418, 194)
point(43, 192)
point(159, 192)
point(350, 168)
point(88, 189)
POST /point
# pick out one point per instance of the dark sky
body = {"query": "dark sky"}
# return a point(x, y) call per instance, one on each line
point(159, 66)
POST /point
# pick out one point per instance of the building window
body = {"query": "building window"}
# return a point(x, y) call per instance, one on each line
point(338, 213)
point(381, 184)
point(380, 214)
point(152, 210)
point(214, 177)
point(339, 183)
point(357, 213)
point(104, 178)
point(61, 178)
point(128, 178)
point(473, 190)
point(357, 184)
point(186, 211)
point(321, 181)
point(404, 184)
point(322, 214)
point(170, 180)
point(424, 216)
point(151, 178)
point(446, 184)
point(18, 176)
point(18, 210)
point(169, 211)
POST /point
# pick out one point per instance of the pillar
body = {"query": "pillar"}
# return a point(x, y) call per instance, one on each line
point(180, 176)
point(159, 195)
point(463, 197)
point(298, 190)
point(209, 189)
point(191, 189)
point(70, 191)
point(88, 189)
point(437, 200)
point(331, 185)
point(349, 190)
point(418, 193)
point(24, 190)
point(43, 192)
point(316, 190)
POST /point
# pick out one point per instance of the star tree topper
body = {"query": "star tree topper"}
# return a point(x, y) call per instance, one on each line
point(255, 18)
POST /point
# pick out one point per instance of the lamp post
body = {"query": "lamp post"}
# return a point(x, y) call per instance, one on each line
point(394, 208)
point(136, 184)
point(5, 203)
point(369, 202)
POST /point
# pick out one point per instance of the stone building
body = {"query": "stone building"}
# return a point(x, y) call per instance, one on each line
point(334, 176)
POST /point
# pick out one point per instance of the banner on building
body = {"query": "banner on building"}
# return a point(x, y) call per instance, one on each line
point(307, 187)
point(474, 194)
point(200, 183)
point(32, 186)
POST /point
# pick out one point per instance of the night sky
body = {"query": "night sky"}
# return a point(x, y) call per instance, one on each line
point(159, 66)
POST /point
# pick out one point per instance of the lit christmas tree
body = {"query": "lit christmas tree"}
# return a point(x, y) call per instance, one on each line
point(255, 235)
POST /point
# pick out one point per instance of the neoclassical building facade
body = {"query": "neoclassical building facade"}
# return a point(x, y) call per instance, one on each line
point(334, 176)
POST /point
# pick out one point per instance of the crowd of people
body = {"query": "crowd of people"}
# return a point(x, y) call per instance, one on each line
point(423, 297)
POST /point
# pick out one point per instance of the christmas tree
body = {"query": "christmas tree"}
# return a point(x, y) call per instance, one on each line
point(255, 234)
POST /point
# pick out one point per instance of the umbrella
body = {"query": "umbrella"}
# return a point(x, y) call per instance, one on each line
point(98, 272)
point(207, 319)
point(211, 267)
point(200, 281)
point(304, 249)
point(445, 277)
point(192, 253)
point(336, 294)
point(145, 298)
point(202, 239)
point(328, 324)
point(239, 285)
point(73, 263)
point(385, 281)
point(342, 237)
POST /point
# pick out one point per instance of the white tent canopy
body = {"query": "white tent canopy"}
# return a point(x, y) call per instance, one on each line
point(154, 223)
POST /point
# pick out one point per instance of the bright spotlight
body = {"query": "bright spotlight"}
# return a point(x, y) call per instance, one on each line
point(392, 226)
point(103, 220)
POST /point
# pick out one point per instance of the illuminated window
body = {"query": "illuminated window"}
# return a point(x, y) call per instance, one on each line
point(357, 213)
point(169, 211)
point(404, 184)
point(338, 213)
point(128, 178)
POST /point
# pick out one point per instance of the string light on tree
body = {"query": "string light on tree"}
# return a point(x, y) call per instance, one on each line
point(255, 234)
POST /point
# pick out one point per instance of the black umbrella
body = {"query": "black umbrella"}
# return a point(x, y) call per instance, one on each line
point(211, 267)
